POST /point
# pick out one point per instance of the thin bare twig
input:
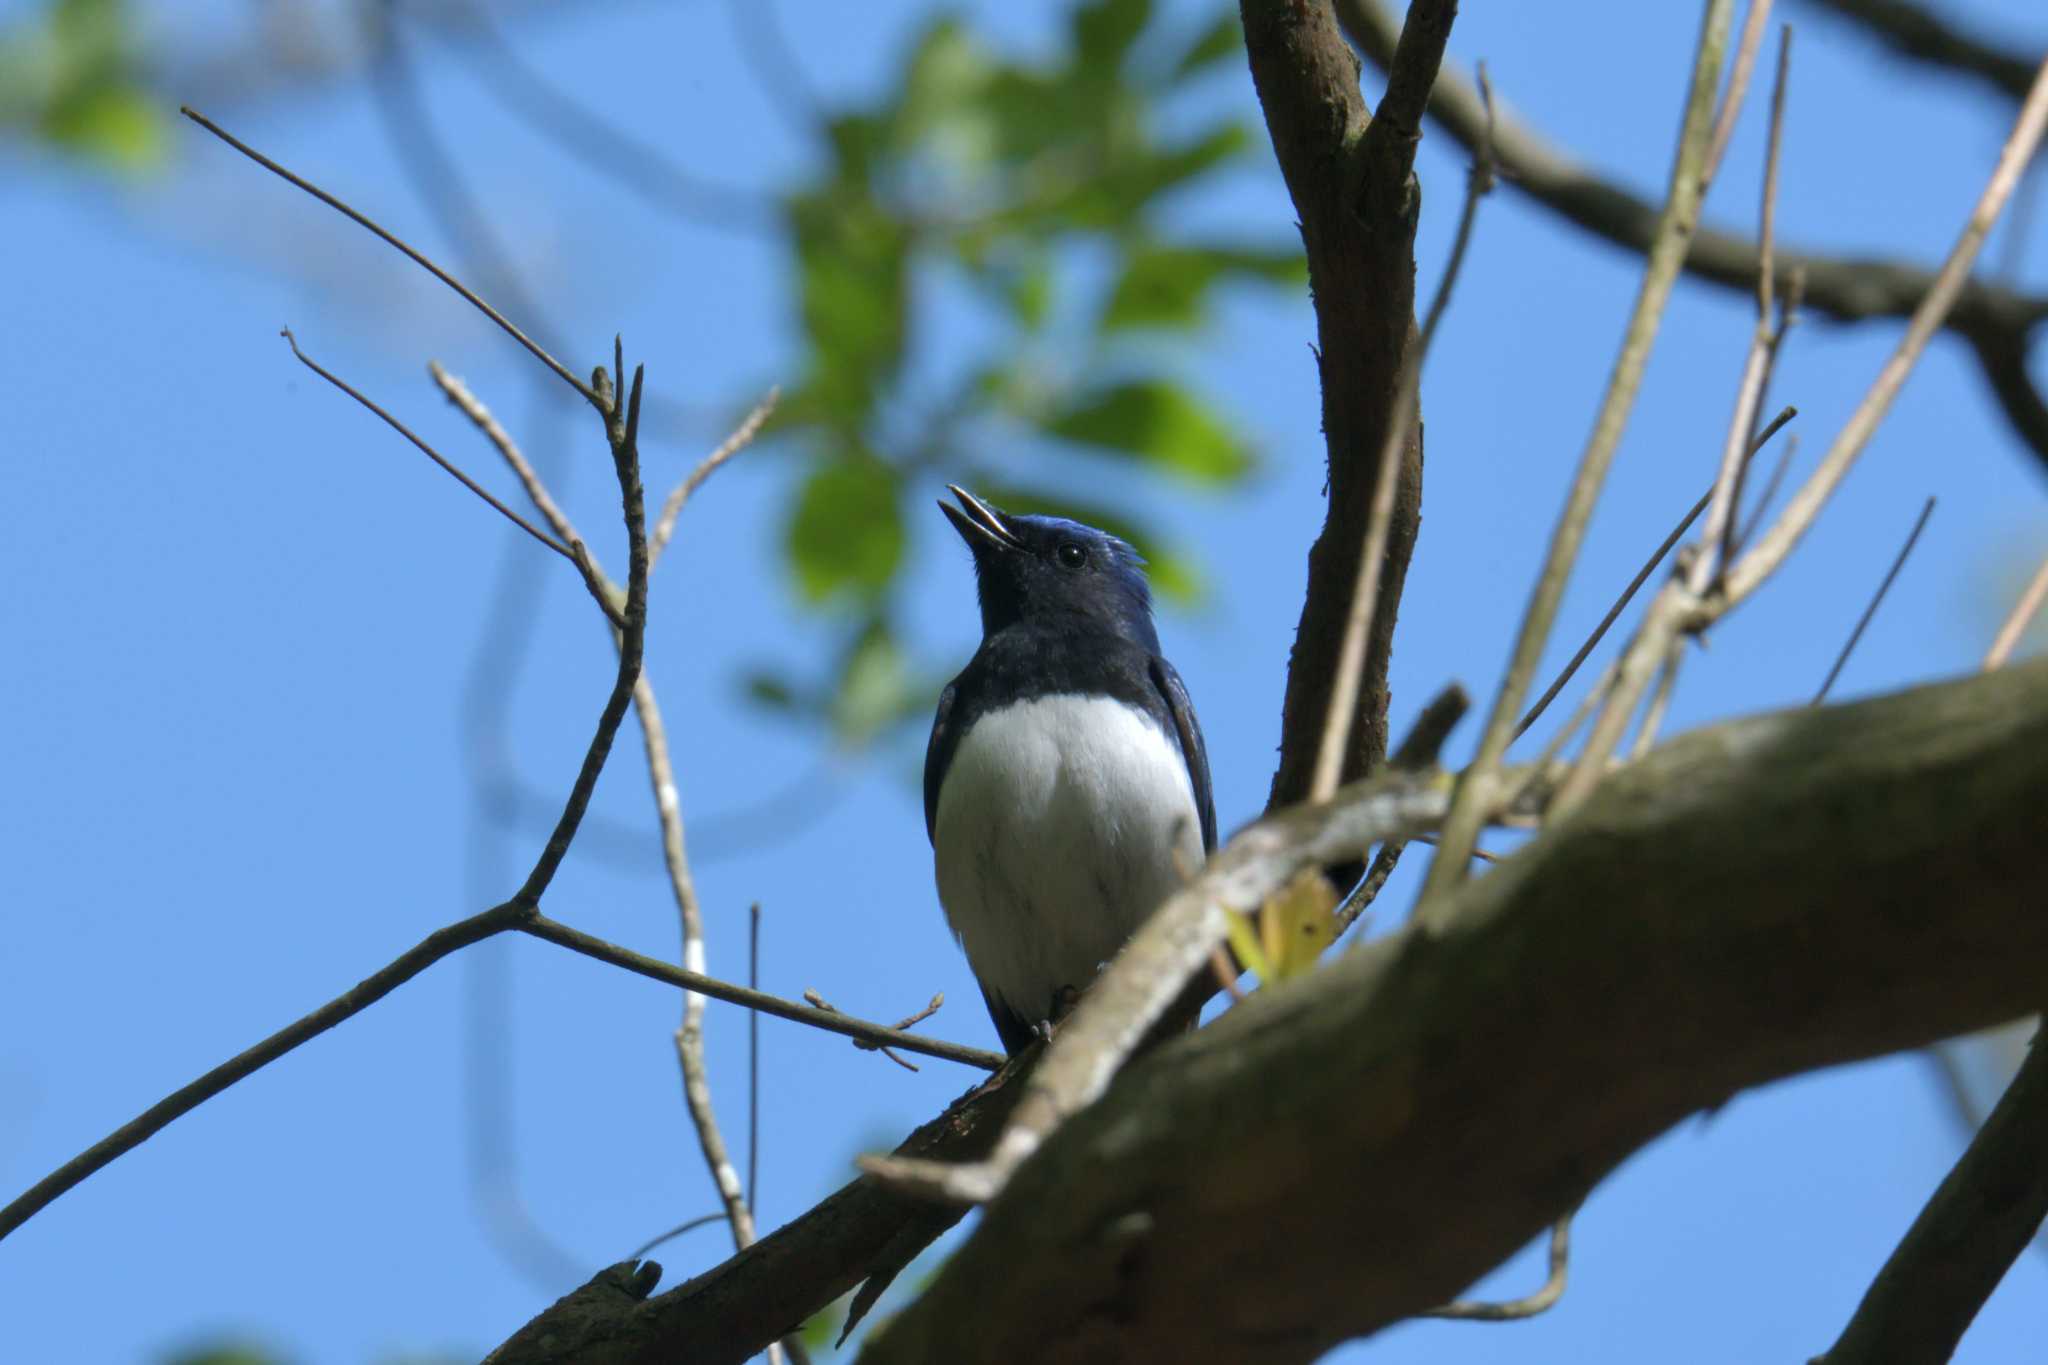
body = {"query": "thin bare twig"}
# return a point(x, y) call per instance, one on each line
point(185, 1099)
point(741, 437)
point(418, 258)
point(1564, 675)
point(1876, 598)
point(1224, 969)
point(1760, 561)
point(2023, 611)
point(1660, 701)
point(1676, 608)
point(1581, 713)
point(1738, 84)
point(689, 1035)
point(436, 456)
point(1513, 1310)
point(845, 1025)
point(1998, 324)
point(520, 912)
point(1336, 733)
point(1738, 450)
point(702, 1220)
point(602, 590)
point(1476, 792)
point(1764, 499)
point(824, 1006)
point(754, 1062)
point(1367, 891)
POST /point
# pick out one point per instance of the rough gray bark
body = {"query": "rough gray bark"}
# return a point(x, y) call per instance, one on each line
point(1750, 901)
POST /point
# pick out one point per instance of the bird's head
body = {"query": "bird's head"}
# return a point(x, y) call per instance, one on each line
point(1045, 568)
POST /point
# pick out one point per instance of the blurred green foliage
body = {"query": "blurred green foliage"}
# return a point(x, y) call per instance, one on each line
point(226, 1354)
point(69, 75)
point(1019, 180)
point(1035, 187)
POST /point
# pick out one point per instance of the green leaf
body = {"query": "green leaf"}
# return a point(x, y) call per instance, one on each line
point(1167, 286)
point(846, 531)
point(1223, 142)
point(874, 686)
point(72, 76)
point(944, 77)
point(821, 1327)
point(1104, 31)
point(1028, 288)
point(1221, 41)
point(114, 123)
point(771, 690)
point(853, 288)
point(1160, 423)
point(1160, 287)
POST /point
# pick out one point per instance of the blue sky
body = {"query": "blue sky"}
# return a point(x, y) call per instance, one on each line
point(242, 624)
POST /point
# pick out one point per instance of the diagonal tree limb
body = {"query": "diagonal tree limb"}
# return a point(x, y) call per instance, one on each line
point(1999, 324)
point(731, 1311)
point(1629, 967)
point(1980, 1219)
point(1986, 1209)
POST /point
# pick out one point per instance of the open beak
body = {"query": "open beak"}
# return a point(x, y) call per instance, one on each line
point(978, 523)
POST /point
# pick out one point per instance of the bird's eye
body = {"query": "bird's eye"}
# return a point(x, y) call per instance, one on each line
point(1072, 556)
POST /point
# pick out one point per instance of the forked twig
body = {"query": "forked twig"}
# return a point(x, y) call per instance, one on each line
point(520, 912)
point(1677, 609)
point(1738, 449)
point(436, 456)
point(689, 1035)
point(1760, 561)
point(824, 1006)
point(1673, 233)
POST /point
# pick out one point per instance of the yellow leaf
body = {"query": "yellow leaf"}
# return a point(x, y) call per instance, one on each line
point(1245, 943)
point(1297, 924)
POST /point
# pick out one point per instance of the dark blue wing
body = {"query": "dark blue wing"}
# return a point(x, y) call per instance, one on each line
point(1175, 694)
point(938, 752)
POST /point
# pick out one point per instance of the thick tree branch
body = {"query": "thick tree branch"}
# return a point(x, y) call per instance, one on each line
point(1959, 1248)
point(1674, 941)
point(1998, 324)
point(1350, 177)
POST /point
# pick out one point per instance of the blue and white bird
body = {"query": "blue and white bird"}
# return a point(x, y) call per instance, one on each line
point(1066, 788)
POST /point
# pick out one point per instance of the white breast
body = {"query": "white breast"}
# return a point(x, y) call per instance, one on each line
point(1055, 837)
